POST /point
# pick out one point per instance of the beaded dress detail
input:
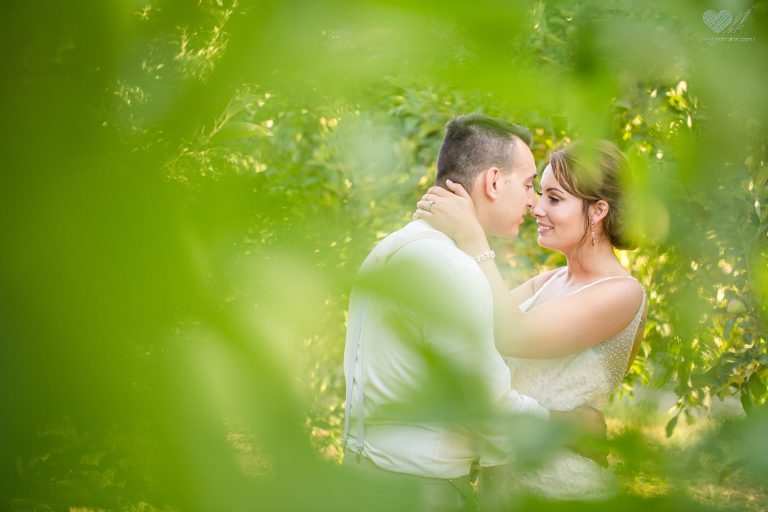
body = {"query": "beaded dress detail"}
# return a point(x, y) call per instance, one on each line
point(589, 378)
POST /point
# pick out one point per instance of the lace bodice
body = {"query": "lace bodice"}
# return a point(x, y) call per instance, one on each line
point(589, 378)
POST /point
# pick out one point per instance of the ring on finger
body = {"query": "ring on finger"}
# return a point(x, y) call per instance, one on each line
point(425, 205)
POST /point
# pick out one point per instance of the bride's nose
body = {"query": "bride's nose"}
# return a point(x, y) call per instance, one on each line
point(536, 210)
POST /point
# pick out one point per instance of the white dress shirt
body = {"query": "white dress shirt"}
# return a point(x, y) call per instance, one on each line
point(394, 351)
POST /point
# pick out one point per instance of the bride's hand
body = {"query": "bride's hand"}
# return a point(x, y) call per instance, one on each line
point(453, 213)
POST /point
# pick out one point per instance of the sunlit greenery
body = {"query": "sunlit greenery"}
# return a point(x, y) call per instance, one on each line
point(189, 188)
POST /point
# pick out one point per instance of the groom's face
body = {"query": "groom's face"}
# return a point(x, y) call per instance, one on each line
point(515, 194)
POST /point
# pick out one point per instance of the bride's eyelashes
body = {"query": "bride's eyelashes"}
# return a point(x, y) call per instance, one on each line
point(550, 198)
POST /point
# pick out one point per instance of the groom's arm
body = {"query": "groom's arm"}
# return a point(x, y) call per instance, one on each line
point(586, 419)
point(464, 336)
point(464, 339)
point(589, 428)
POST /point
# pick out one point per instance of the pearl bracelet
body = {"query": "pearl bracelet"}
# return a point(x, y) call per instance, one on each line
point(487, 255)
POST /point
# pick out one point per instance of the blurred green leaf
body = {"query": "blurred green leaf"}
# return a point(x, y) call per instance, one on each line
point(240, 130)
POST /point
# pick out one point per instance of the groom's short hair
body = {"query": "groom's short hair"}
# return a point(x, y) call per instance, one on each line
point(475, 142)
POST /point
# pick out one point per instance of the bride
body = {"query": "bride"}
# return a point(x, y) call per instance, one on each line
point(568, 334)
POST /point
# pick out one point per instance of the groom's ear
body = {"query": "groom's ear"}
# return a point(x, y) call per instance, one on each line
point(491, 179)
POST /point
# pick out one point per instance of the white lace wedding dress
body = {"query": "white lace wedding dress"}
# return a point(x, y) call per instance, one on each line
point(584, 378)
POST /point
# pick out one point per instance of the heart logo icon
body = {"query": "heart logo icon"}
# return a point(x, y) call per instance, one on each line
point(717, 21)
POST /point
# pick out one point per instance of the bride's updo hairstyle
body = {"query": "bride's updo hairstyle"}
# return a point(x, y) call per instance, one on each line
point(592, 173)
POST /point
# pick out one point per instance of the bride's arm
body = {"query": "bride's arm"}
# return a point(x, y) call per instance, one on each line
point(568, 324)
point(455, 216)
point(553, 329)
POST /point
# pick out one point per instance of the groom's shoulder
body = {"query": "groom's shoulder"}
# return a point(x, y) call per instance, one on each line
point(418, 238)
point(428, 255)
point(435, 249)
point(416, 231)
point(421, 244)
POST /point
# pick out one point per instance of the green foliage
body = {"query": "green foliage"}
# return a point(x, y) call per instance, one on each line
point(191, 187)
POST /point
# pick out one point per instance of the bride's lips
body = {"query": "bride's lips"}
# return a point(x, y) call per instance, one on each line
point(543, 228)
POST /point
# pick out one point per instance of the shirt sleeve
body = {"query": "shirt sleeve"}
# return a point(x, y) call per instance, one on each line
point(457, 329)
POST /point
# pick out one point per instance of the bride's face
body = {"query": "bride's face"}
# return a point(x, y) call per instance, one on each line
point(559, 215)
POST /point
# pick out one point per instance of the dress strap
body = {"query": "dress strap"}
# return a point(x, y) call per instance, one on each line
point(598, 281)
point(558, 273)
point(528, 303)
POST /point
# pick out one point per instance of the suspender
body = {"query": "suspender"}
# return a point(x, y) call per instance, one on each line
point(354, 350)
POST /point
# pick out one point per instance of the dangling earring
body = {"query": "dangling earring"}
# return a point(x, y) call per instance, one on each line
point(592, 232)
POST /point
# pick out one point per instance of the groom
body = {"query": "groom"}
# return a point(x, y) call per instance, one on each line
point(428, 340)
